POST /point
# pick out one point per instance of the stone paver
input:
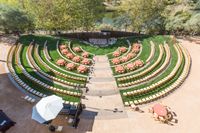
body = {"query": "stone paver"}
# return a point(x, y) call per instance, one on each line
point(103, 89)
point(102, 81)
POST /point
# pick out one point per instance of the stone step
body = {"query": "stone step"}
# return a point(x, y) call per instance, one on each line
point(104, 107)
point(103, 84)
point(102, 79)
point(101, 74)
point(102, 88)
point(103, 68)
point(101, 92)
point(103, 114)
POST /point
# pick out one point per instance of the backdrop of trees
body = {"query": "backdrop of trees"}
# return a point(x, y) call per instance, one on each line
point(144, 16)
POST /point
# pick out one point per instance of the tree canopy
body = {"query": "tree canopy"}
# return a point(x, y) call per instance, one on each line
point(146, 16)
point(14, 19)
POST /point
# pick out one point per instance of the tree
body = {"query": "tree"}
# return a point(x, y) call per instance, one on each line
point(141, 11)
point(123, 21)
point(85, 13)
point(182, 17)
point(176, 23)
point(64, 14)
point(193, 24)
point(14, 19)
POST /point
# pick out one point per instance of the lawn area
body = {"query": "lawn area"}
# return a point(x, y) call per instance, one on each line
point(166, 72)
point(37, 87)
point(100, 50)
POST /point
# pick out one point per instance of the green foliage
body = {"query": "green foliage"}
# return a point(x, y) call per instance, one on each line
point(104, 26)
point(193, 25)
point(65, 15)
point(14, 19)
point(86, 13)
point(177, 21)
point(147, 16)
point(141, 11)
point(123, 21)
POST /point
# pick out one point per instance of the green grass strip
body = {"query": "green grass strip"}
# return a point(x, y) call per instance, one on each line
point(37, 87)
point(46, 70)
point(28, 68)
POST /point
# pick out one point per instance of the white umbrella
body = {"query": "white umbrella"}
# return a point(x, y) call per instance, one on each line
point(47, 108)
point(36, 116)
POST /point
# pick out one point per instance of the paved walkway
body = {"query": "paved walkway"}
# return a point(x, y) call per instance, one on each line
point(103, 96)
point(102, 82)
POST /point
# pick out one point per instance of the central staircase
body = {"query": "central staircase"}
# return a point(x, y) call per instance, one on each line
point(102, 82)
point(103, 100)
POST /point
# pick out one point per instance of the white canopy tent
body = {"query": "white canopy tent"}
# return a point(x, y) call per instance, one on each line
point(47, 108)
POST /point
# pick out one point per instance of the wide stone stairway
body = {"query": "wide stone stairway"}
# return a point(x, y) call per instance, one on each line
point(102, 82)
point(103, 100)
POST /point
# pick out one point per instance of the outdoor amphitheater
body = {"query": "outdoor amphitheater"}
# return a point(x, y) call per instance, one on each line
point(116, 84)
point(99, 66)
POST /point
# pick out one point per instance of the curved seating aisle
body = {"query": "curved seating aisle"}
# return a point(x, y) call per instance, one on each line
point(53, 70)
point(147, 64)
point(16, 77)
point(86, 51)
point(41, 83)
point(152, 52)
point(50, 77)
point(150, 68)
point(66, 59)
point(185, 62)
point(128, 51)
point(72, 51)
point(129, 61)
point(161, 82)
point(63, 70)
point(46, 51)
point(155, 73)
point(47, 86)
point(110, 55)
point(29, 79)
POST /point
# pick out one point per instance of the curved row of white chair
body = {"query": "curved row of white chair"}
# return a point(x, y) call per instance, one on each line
point(146, 64)
point(131, 60)
point(53, 70)
point(35, 66)
point(170, 88)
point(86, 51)
point(61, 69)
point(155, 73)
point(162, 81)
point(16, 77)
point(128, 51)
point(150, 68)
point(152, 52)
point(39, 82)
point(46, 50)
point(72, 51)
point(20, 82)
point(118, 48)
point(68, 60)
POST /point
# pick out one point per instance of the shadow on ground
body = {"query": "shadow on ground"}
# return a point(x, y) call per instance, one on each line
point(20, 112)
